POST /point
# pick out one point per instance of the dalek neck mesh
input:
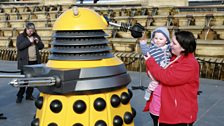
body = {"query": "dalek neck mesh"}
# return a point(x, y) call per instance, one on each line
point(80, 45)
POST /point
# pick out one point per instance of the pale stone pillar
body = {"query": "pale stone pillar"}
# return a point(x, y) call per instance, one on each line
point(165, 2)
point(54, 2)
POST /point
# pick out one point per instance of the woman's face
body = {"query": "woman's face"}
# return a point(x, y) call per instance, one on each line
point(29, 32)
point(175, 46)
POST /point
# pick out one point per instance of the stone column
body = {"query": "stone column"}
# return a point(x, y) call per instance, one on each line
point(165, 2)
point(54, 2)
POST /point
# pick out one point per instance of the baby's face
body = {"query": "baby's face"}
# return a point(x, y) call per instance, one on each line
point(159, 39)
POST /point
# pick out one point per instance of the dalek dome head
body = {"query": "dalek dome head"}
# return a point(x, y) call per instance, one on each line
point(80, 19)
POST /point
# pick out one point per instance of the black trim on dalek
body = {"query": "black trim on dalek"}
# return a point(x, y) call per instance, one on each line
point(80, 81)
point(85, 41)
point(80, 45)
point(90, 56)
point(79, 34)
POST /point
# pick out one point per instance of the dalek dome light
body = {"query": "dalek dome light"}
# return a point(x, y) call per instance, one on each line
point(80, 19)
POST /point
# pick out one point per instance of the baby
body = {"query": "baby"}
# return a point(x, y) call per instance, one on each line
point(159, 49)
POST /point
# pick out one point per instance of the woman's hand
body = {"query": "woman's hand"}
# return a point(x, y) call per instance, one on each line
point(31, 39)
point(36, 40)
point(147, 56)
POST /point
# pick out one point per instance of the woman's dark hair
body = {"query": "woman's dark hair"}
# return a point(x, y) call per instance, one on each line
point(187, 41)
point(29, 25)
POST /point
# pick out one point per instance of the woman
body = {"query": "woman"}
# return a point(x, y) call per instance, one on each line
point(28, 45)
point(179, 80)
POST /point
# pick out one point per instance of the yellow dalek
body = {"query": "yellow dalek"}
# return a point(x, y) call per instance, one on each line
point(82, 84)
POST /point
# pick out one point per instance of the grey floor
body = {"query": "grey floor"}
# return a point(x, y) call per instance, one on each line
point(211, 102)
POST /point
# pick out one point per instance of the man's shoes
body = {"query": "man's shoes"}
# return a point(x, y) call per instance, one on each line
point(2, 116)
point(30, 98)
point(19, 100)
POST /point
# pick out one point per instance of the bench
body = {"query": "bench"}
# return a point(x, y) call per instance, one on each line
point(14, 32)
point(10, 42)
point(209, 48)
point(208, 19)
point(39, 23)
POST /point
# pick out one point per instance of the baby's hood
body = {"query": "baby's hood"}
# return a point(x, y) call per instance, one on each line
point(164, 31)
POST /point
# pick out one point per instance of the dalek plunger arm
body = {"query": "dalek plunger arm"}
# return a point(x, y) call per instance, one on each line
point(136, 30)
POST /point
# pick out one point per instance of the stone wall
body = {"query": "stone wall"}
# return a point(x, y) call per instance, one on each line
point(142, 2)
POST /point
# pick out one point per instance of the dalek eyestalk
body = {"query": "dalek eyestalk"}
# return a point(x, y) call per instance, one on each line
point(136, 30)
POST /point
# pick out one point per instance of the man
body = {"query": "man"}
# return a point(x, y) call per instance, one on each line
point(28, 45)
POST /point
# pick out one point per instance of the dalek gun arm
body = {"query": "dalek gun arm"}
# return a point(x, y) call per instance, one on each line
point(136, 30)
point(35, 76)
point(33, 82)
